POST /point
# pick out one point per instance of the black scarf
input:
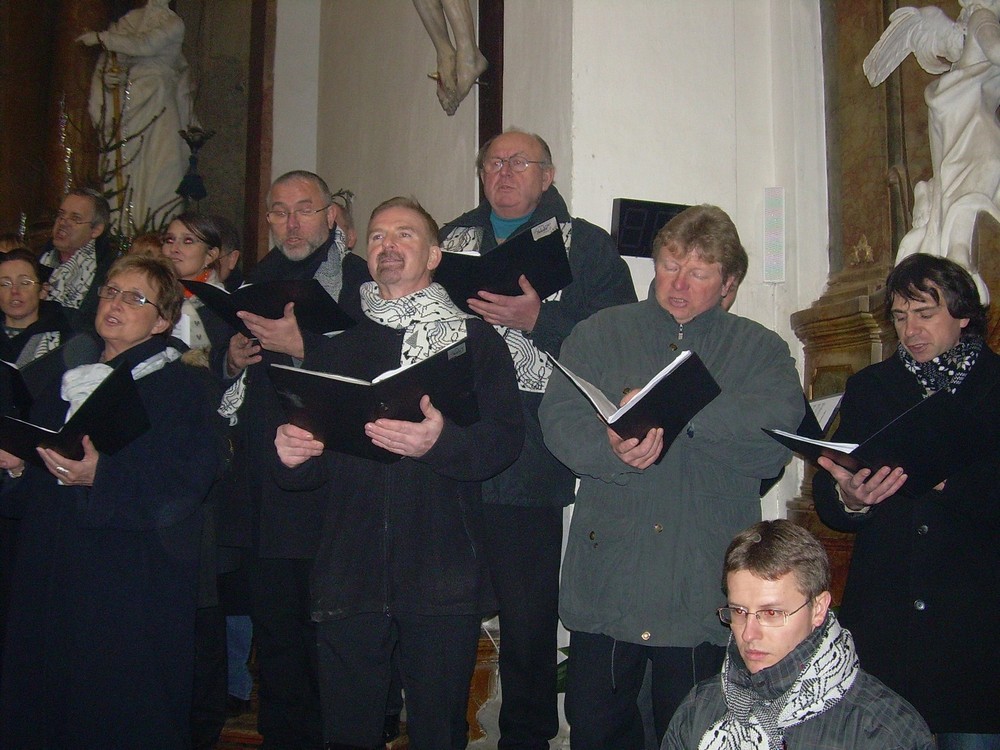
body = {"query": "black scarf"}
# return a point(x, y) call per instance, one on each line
point(948, 369)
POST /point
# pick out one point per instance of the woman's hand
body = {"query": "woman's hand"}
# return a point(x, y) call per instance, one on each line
point(79, 473)
point(11, 463)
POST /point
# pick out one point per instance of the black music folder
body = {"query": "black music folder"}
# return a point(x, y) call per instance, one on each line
point(931, 441)
point(669, 400)
point(336, 408)
point(113, 416)
point(15, 395)
point(538, 253)
point(315, 310)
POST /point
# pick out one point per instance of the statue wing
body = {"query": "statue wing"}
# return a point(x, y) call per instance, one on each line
point(933, 38)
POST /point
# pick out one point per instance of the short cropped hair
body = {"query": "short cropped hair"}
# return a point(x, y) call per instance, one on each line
point(302, 174)
point(923, 273)
point(772, 549)
point(23, 253)
point(709, 232)
point(147, 243)
point(546, 151)
point(102, 209)
point(159, 272)
point(410, 203)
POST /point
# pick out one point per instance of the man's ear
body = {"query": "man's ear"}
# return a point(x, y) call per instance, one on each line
point(434, 258)
point(821, 605)
point(548, 177)
point(727, 286)
point(97, 231)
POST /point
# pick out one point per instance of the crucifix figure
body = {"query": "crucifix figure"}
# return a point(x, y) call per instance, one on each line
point(459, 62)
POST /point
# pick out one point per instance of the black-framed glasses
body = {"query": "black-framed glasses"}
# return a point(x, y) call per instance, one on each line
point(71, 218)
point(769, 618)
point(132, 299)
point(517, 163)
point(280, 215)
point(22, 281)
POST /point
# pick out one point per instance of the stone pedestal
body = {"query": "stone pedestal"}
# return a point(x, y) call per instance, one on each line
point(841, 334)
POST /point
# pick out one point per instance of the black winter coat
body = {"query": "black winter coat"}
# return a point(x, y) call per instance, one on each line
point(407, 537)
point(923, 590)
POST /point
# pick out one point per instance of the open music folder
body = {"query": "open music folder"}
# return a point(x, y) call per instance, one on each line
point(113, 416)
point(538, 253)
point(669, 400)
point(336, 408)
point(315, 310)
point(931, 441)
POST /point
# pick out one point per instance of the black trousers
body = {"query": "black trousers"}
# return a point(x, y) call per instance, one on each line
point(208, 704)
point(603, 681)
point(289, 716)
point(524, 545)
point(436, 657)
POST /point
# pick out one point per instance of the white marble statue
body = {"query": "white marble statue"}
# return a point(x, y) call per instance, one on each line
point(962, 122)
point(151, 96)
point(459, 63)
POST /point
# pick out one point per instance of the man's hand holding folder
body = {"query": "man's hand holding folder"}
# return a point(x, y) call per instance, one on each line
point(639, 453)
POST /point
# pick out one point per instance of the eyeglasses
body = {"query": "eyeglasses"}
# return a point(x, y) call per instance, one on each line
point(280, 216)
point(132, 299)
point(21, 281)
point(72, 219)
point(516, 163)
point(769, 618)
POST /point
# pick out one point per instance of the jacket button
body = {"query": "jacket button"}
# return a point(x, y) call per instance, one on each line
point(645, 635)
point(920, 605)
point(658, 527)
point(592, 535)
point(922, 529)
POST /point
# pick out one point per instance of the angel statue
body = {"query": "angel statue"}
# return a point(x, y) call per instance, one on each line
point(459, 64)
point(140, 96)
point(962, 122)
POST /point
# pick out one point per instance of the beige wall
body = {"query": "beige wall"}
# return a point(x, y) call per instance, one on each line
point(382, 132)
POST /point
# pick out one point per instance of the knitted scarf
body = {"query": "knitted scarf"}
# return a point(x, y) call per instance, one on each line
point(753, 723)
point(948, 369)
point(430, 319)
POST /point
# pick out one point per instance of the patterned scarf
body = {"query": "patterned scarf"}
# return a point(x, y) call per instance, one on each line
point(531, 365)
point(753, 723)
point(330, 273)
point(948, 369)
point(70, 282)
point(430, 319)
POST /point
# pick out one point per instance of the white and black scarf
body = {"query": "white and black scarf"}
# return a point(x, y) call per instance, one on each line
point(430, 319)
point(753, 723)
point(948, 369)
point(69, 283)
point(79, 382)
